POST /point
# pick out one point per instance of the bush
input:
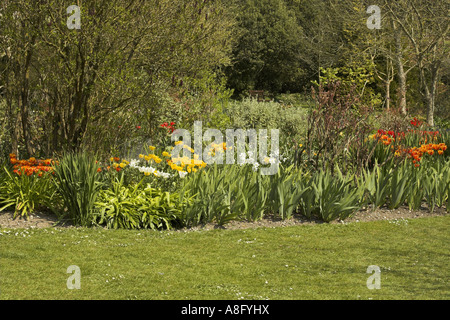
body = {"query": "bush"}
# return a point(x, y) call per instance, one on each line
point(136, 208)
point(250, 114)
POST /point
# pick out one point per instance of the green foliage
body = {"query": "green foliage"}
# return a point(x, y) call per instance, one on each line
point(77, 181)
point(223, 193)
point(213, 191)
point(436, 183)
point(397, 185)
point(27, 194)
point(267, 54)
point(359, 77)
point(134, 207)
point(203, 98)
point(400, 183)
point(286, 190)
point(376, 185)
point(331, 196)
point(295, 100)
point(250, 114)
point(112, 72)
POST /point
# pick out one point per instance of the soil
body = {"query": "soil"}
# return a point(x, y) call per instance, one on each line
point(37, 220)
point(45, 220)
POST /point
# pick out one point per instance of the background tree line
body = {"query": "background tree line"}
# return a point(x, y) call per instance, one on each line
point(135, 64)
point(287, 44)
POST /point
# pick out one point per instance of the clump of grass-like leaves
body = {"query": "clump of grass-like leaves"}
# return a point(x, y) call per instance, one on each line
point(77, 182)
point(26, 193)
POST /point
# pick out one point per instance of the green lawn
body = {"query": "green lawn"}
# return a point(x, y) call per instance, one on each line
point(326, 261)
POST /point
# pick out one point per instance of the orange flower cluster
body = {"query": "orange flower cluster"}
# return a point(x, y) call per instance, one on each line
point(417, 153)
point(387, 137)
point(30, 166)
point(116, 165)
point(386, 140)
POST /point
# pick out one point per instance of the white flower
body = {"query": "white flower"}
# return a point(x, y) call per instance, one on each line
point(165, 175)
point(273, 160)
point(146, 169)
point(182, 174)
point(134, 163)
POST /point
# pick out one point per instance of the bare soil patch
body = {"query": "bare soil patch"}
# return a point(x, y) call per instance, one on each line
point(46, 220)
point(37, 220)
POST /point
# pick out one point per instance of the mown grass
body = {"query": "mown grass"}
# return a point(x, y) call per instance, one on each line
point(326, 261)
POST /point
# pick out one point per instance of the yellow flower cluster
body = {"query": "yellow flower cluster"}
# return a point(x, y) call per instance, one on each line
point(151, 156)
point(118, 165)
point(185, 164)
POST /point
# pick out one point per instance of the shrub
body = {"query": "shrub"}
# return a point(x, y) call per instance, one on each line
point(132, 207)
point(250, 114)
point(337, 130)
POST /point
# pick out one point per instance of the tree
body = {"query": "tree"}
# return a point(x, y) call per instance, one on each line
point(426, 25)
point(268, 52)
point(125, 52)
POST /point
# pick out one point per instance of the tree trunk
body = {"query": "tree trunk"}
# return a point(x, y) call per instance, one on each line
point(431, 99)
point(23, 97)
point(16, 136)
point(388, 94)
point(400, 70)
point(429, 91)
